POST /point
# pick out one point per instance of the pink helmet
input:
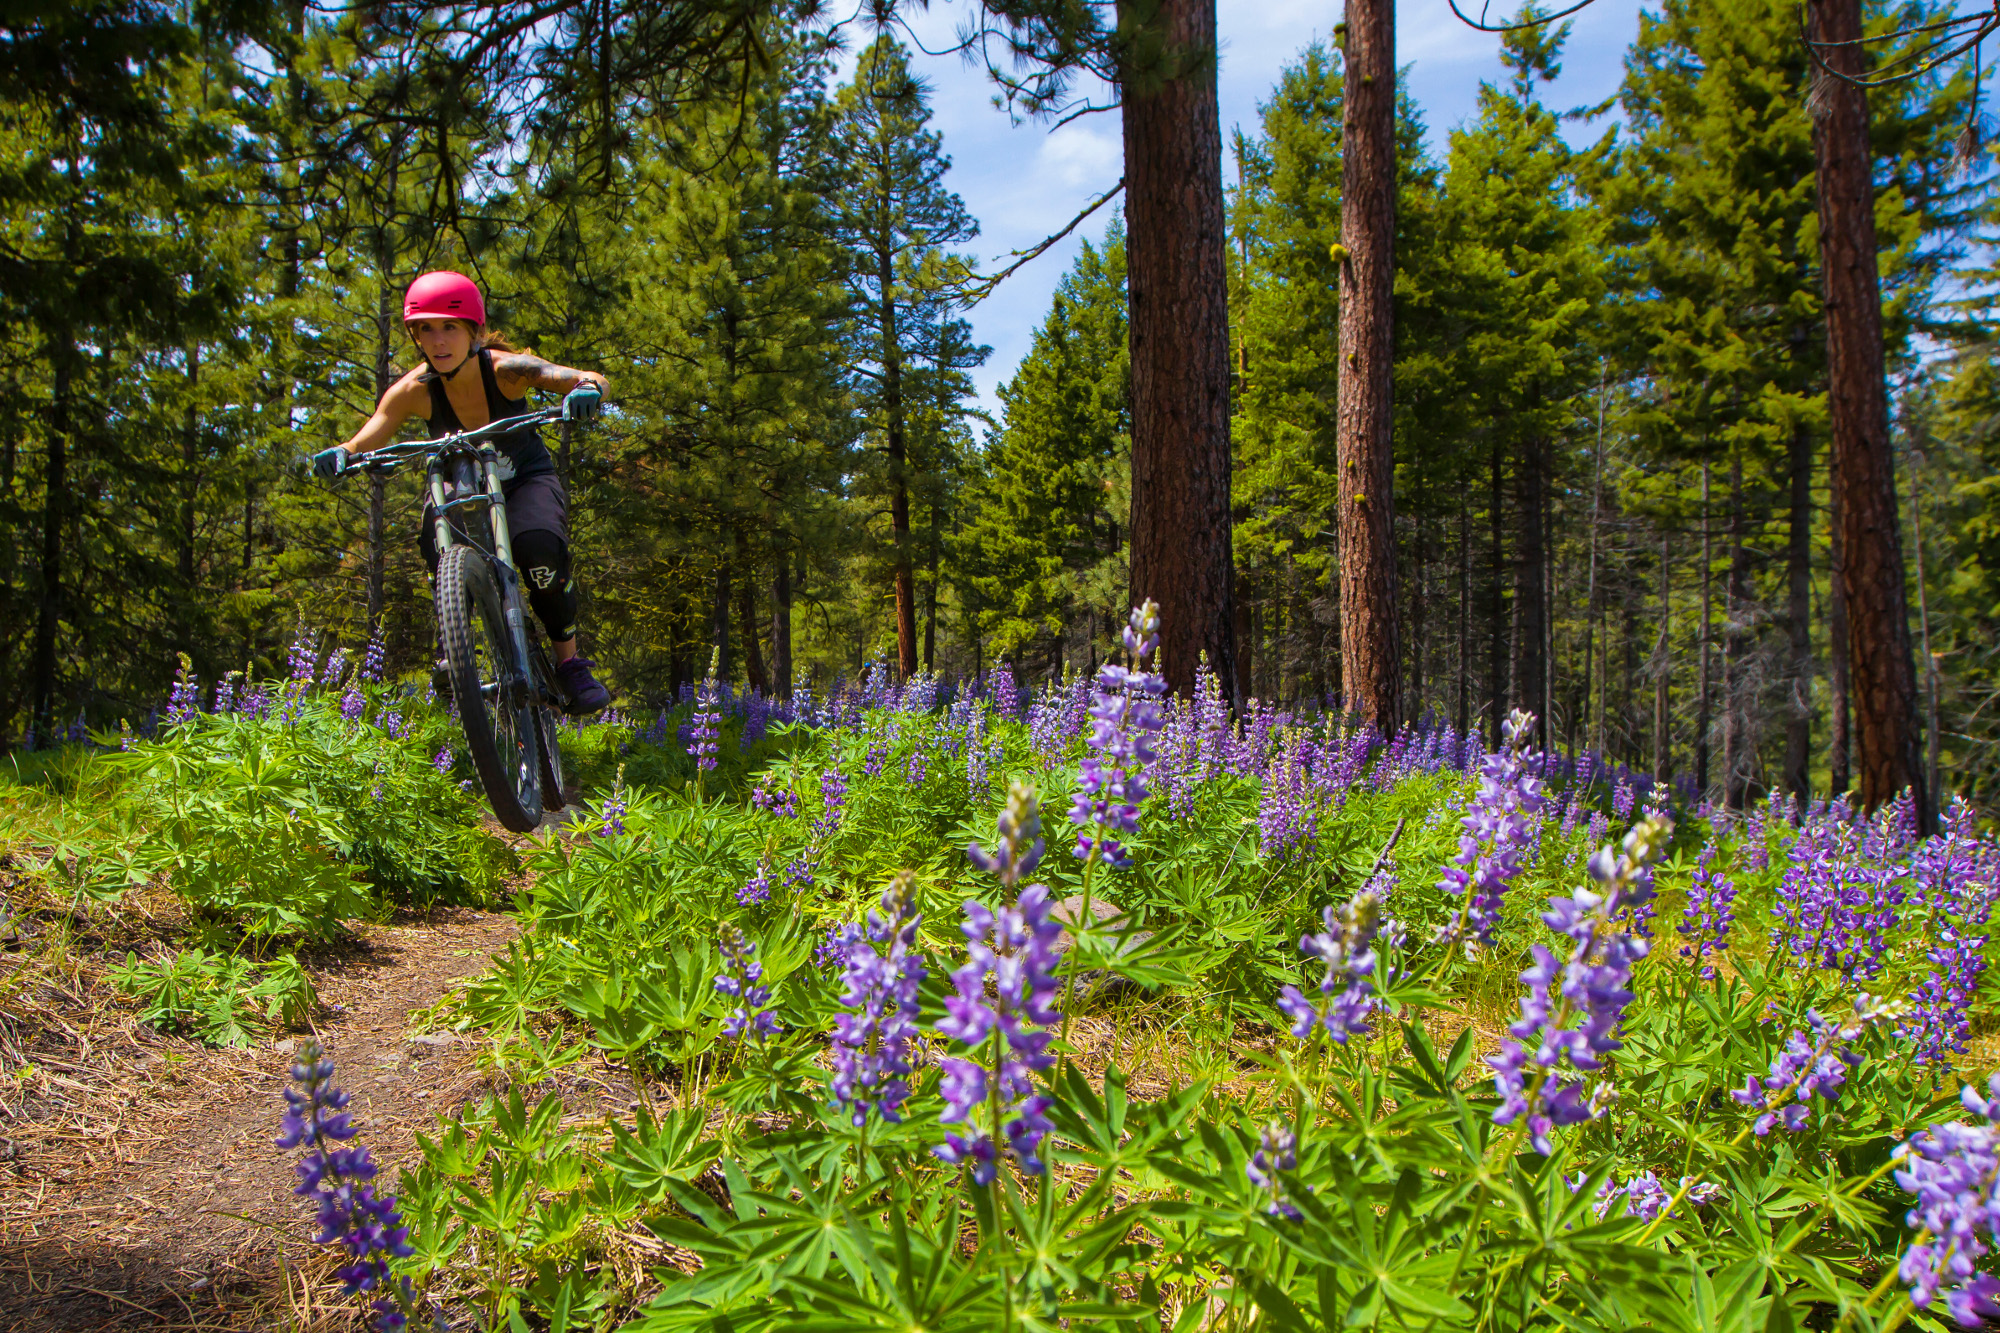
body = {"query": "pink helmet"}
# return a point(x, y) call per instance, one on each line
point(444, 295)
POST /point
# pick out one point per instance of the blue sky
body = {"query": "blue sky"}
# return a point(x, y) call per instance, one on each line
point(1024, 182)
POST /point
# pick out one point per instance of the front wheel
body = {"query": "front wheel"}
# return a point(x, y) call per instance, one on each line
point(494, 707)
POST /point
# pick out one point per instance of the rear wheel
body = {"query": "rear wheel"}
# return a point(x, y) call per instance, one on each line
point(496, 710)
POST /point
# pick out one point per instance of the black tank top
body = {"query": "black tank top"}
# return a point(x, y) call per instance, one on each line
point(522, 453)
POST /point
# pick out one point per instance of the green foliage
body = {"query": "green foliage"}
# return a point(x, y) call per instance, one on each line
point(215, 998)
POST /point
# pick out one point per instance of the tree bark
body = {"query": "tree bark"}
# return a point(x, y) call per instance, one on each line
point(1178, 297)
point(1798, 615)
point(1663, 742)
point(1702, 711)
point(1530, 605)
point(899, 464)
point(55, 517)
point(781, 627)
point(1736, 753)
point(1496, 645)
point(1885, 685)
point(1364, 485)
point(1840, 746)
point(753, 653)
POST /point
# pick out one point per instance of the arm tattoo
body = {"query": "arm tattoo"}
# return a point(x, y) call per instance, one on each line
point(532, 370)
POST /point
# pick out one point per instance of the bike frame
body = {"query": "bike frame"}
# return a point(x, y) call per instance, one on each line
point(475, 448)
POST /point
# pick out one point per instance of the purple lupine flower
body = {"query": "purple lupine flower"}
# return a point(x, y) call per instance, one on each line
point(226, 693)
point(1622, 798)
point(833, 802)
point(1276, 1153)
point(304, 661)
point(799, 874)
point(757, 888)
point(871, 1047)
point(393, 723)
point(781, 802)
point(185, 701)
point(1574, 1006)
point(442, 760)
point(1600, 828)
point(1005, 693)
point(1836, 904)
point(1710, 911)
point(353, 703)
point(350, 1214)
point(707, 718)
point(1347, 948)
point(1016, 948)
point(1645, 1196)
point(1125, 716)
point(915, 771)
point(742, 980)
point(872, 761)
point(374, 659)
point(1806, 1068)
point(1954, 1172)
point(1497, 833)
point(1287, 813)
point(615, 808)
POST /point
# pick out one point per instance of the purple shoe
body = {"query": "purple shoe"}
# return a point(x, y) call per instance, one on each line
point(586, 695)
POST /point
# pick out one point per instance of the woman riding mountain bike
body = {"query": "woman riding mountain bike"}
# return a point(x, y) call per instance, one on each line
point(446, 317)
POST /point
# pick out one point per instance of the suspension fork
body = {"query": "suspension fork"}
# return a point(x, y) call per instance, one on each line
point(512, 599)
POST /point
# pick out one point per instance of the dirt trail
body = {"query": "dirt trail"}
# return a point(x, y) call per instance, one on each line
point(161, 1202)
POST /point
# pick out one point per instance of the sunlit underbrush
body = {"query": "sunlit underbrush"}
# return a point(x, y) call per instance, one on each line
point(877, 1082)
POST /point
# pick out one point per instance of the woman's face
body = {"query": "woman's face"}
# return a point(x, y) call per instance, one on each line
point(445, 343)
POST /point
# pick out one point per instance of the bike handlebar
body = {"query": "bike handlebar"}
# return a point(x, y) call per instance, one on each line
point(391, 456)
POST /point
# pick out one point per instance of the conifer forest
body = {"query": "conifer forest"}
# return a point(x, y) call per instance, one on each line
point(1427, 760)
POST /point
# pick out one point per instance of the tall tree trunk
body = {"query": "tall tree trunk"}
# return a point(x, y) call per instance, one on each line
point(899, 463)
point(1590, 611)
point(1736, 754)
point(753, 652)
point(1364, 490)
point(55, 518)
point(1798, 616)
point(1178, 296)
point(190, 472)
point(1885, 684)
point(931, 595)
point(1530, 607)
point(1496, 654)
point(1663, 739)
point(1839, 739)
point(1702, 713)
point(781, 627)
point(1464, 613)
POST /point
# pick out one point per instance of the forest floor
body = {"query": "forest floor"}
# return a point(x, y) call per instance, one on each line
point(140, 1183)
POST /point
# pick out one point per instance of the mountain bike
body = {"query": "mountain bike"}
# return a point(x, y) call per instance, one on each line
point(509, 701)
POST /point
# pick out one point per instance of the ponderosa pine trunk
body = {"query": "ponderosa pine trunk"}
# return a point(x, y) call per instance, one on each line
point(1798, 615)
point(1839, 740)
point(1530, 606)
point(1736, 753)
point(753, 653)
point(1885, 681)
point(1178, 297)
point(1364, 486)
point(781, 627)
point(55, 519)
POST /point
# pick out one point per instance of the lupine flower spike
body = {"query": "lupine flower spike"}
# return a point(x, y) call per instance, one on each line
point(707, 717)
point(1125, 717)
point(337, 1180)
point(1277, 1153)
point(1806, 1068)
point(1494, 846)
point(871, 1045)
point(1954, 1172)
point(742, 980)
point(1016, 948)
point(1572, 1011)
point(1347, 949)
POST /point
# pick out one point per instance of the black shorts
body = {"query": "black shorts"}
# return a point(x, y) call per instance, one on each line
point(534, 504)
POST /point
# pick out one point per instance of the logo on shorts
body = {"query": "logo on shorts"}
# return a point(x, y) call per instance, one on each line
point(543, 576)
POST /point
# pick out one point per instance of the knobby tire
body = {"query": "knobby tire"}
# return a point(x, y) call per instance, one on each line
point(504, 741)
